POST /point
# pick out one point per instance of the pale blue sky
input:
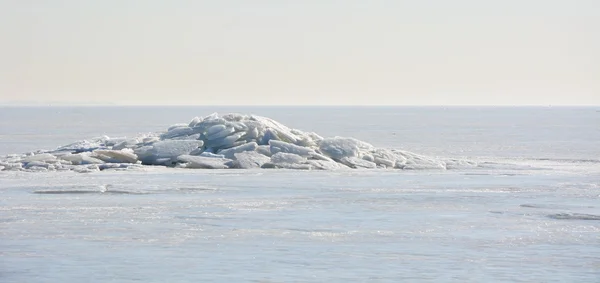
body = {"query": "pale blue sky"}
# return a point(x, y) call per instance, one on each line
point(461, 52)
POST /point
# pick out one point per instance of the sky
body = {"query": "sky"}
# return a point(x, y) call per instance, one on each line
point(309, 52)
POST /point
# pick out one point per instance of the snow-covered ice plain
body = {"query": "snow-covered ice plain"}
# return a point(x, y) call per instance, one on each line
point(320, 194)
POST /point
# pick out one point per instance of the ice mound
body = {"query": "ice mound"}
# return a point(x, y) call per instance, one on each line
point(222, 142)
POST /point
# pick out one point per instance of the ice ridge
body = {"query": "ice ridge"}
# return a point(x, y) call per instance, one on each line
point(223, 142)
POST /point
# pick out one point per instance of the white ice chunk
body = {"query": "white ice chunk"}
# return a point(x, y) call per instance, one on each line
point(230, 152)
point(319, 156)
point(220, 134)
point(326, 165)
point(195, 122)
point(282, 157)
point(264, 150)
point(12, 166)
point(410, 165)
point(460, 164)
point(81, 158)
point(368, 157)
point(252, 133)
point(287, 136)
point(86, 169)
point(314, 137)
point(225, 142)
point(37, 168)
point(187, 138)
point(85, 145)
point(413, 161)
point(210, 154)
point(177, 132)
point(36, 164)
point(287, 161)
point(249, 159)
point(385, 157)
point(239, 126)
point(150, 140)
point(339, 147)
point(280, 131)
point(306, 141)
point(212, 116)
point(385, 162)
point(215, 129)
point(260, 128)
point(293, 166)
point(169, 150)
point(176, 126)
point(268, 135)
point(116, 156)
point(114, 141)
point(281, 146)
point(129, 143)
point(201, 162)
point(234, 117)
point(118, 166)
point(355, 162)
point(44, 157)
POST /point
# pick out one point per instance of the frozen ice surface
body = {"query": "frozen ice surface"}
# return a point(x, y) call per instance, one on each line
point(223, 138)
point(162, 224)
point(519, 202)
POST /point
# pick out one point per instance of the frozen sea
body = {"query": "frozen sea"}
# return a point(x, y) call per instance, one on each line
point(536, 218)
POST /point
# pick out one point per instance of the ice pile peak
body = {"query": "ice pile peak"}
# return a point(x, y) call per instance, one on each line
point(222, 142)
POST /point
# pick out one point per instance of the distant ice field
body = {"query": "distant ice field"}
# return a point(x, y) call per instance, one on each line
point(534, 217)
point(519, 132)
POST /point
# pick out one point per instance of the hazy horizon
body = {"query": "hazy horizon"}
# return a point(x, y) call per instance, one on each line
point(405, 53)
point(58, 104)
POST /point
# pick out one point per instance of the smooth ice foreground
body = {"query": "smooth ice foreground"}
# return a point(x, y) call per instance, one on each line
point(222, 142)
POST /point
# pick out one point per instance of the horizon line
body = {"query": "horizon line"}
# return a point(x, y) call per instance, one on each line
point(285, 105)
